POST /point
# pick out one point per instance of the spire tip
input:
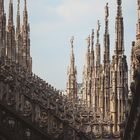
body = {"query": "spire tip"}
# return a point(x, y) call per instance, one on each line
point(71, 41)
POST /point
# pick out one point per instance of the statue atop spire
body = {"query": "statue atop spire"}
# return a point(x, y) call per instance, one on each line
point(106, 18)
point(106, 11)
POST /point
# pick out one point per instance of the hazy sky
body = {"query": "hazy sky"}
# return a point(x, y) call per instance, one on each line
point(53, 22)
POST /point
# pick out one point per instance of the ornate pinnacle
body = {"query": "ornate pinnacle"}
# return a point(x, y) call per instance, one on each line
point(98, 29)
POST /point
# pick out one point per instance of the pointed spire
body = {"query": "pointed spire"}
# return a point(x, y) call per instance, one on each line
point(106, 18)
point(119, 30)
point(25, 15)
point(106, 37)
point(72, 80)
point(18, 17)
point(72, 59)
point(98, 29)
point(10, 20)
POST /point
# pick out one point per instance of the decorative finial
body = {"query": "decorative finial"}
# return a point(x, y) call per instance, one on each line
point(71, 41)
point(88, 41)
point(98, 29)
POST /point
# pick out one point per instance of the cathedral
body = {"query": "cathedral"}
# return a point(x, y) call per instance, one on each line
point(32, 109)
point(105, 84)
point(15, 42)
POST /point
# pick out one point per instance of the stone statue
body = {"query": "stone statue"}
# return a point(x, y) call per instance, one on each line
point(106, 12)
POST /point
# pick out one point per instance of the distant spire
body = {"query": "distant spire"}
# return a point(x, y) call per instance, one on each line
point(10, 20)
point(72, 53)
point(72, 80)
point(98, 29)
point(18, 17)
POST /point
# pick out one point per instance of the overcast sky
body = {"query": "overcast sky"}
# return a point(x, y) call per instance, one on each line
point(53, 22)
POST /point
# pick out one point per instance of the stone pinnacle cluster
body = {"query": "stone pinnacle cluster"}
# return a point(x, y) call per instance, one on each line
point(105, 85)
point(15, 42)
